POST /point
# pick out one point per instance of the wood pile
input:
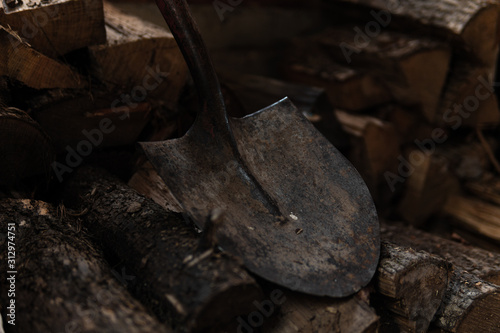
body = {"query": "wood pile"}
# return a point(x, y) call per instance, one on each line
point(404, 89)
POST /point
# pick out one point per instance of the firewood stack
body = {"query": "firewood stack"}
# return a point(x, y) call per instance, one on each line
point(404, 89)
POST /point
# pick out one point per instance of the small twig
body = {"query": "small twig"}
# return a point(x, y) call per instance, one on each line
point(487, 149)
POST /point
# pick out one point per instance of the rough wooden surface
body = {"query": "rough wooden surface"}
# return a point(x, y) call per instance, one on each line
point(62, 282)
point(26, 150)
point(21, 62)
point(139, 54)
point(56, 27)
point(412, 285)
point(302, 313)
point(184, 283)
point(471, 26)
point(485, 264)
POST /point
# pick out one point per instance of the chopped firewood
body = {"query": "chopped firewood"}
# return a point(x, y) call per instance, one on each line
point(348, 88)
point(475, 215)
point(21, 62)
point(414, 69)
point(486, 188)
point(141, 56)
point(258, 92)
point(484, 264)
point(55, 27)
point(470, 304)
point(26, 150)
point(471, 26)
point(428, 184)
point(374, 149)
point(468, 99)
point(184, 283)
point(302, 313)
point(62, 282)
point(148, 182)
point(412, 285)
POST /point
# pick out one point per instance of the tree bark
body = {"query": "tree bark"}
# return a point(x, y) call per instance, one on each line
point(185, 283)
point(412, 285)
point(62, 282)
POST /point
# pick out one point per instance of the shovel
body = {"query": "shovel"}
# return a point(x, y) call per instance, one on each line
point(294, 209)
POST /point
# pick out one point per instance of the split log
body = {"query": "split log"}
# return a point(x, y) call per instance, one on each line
point(26, 150)
point(55, 27)
point(412, 285)
point(257, 92)
point(475, 215)
point(486, 188)
point(471, 26)
point(19, 61)
point(62, 282)
point(374, 151)
point(348, 89)
point(414, 69)
point(468, 99)
point(428, 185)
point(139, 56)
point(482, 263)
point(302, 313)
point(184, 283)
point(470, 304)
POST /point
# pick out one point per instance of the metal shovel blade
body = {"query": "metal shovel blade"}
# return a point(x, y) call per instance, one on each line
point(295, 210)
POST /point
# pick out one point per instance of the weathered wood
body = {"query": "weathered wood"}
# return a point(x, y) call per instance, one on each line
point(413, 69)
point(475, 215)
point(302, 313)
point(486, 188)
point(19, 61)
point(470, 304)
point(471, 26)
point(427, 187)
point(55, 27)
point(139, 56)
point(257, 92)
point(192, 287)
point(348, 88)
point(374, 151)
point(482, 263)
point(25, 148)
point(412, 285)
point(468, 99)
point(62, 282)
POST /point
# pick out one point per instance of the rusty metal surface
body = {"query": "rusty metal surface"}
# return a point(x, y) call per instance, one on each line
point(295, 210)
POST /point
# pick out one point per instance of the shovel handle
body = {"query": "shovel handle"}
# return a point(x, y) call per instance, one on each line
point(212, 117)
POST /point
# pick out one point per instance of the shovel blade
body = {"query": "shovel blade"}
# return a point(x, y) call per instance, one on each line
point(296, 211)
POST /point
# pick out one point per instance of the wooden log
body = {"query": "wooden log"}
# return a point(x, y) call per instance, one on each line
point(302, 313)
point(486, 188)
point(374, 151)
point(470, 304)
point(470, 26)
point(21, 62)
point(412, 285)
point(62, 282)
point(348, 89)
point(468, 99)
point(475, 215)
point(139, 56)
point(482, 263)
point(55, 27)
point(427, 187)
point(184, 283)
point(413, 69)
point(257, 92)
point(26, 150)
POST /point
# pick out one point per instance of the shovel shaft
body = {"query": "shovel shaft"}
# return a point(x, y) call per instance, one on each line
point(212, 116)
